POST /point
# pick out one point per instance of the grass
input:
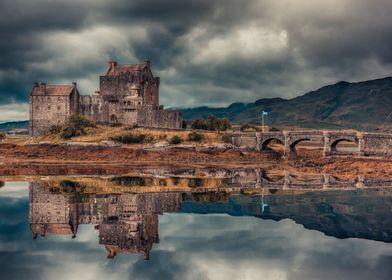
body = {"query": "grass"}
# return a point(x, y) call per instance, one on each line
point(107, 133)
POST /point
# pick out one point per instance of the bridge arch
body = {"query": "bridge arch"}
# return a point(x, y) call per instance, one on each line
point(268, 141)
point(293, 145)
point(295, 142)
point(335, 142)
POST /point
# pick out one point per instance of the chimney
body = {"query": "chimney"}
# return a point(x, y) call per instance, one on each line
point(42, 88)
point(36, 84)
point(74, 84)
point(112, 64)
point(147, 62)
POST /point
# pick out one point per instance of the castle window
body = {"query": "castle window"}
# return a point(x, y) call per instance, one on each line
point(58, 108)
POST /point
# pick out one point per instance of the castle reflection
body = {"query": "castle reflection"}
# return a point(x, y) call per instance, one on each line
point(125, 222)
point(128, 222)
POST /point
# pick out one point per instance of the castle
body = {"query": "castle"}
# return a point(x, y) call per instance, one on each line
point(128, 94)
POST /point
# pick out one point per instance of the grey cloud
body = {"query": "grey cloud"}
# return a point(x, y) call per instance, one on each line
point(207, 52)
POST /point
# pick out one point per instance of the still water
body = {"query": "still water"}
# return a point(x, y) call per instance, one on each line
point(63, 231)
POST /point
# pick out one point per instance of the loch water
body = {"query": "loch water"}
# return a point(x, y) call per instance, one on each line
point(124, 229)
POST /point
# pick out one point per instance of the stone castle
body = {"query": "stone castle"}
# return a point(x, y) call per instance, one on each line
point(128, 94)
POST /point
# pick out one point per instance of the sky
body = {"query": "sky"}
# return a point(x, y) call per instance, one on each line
point(207, 52)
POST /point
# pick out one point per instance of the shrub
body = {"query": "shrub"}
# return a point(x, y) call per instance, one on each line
point(130, 127)
point(129, 138)
point(129, 181)
point(68, 186)
point(199, 124)
point(273, 128)
point(248, 128)
point(76, 126)
point(175, 140)
point(116, 125)
point(211, 123)
point(2, 184)
point(194, 136)
point(2, 136)
point(175, 181)
point(195, 182)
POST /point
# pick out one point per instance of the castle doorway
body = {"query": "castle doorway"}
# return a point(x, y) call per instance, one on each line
point(113, 119)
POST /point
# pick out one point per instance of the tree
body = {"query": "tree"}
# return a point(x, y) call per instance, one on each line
point(211, 123)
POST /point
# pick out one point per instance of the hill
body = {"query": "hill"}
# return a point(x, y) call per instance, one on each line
point(8, 126)
point(364, 105)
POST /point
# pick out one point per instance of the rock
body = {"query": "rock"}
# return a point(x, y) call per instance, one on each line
point(161, 144)
point(184, 147)
point(217, 147)
point(108, 143)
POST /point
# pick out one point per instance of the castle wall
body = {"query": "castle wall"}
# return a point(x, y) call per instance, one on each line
point(48, 111)
point(149, 116)
point(93, 108)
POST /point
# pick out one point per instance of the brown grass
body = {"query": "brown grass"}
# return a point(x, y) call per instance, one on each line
point(103, 133)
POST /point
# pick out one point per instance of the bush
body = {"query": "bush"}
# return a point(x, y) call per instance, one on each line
point(175, 140)
point(175, 181)
point(130, 127)
point(76, 126)
point(2, 136)
point(211, 123)
point(129, 181)
point(2, 184)
point(194, 136)
point(248, 128)
point(195, 183)
point(129, 138)
point(116, 125)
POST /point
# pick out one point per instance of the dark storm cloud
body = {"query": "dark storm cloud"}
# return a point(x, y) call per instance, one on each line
point(206, 52)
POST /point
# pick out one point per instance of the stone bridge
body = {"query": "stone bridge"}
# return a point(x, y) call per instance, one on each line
point(367, 144)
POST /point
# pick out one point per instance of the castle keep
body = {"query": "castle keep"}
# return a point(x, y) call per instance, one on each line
point(128, 94)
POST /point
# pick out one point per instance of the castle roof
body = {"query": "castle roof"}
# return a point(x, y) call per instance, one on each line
point(117, 69)
point(43, 89)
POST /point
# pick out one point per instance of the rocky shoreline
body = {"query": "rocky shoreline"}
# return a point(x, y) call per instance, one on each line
point(109, 158)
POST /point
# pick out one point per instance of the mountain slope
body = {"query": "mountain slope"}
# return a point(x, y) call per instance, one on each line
point(8, 126)
point(348, 105)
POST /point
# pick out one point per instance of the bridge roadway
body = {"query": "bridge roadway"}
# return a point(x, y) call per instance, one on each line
point(368, 144)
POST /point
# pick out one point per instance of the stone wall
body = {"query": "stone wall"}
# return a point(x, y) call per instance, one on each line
point(377, 144)
point(48, 111)
point(243, 140)
point(150, 116)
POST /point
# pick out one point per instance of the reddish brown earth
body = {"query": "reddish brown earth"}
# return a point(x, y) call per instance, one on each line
point(72, 160)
